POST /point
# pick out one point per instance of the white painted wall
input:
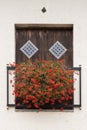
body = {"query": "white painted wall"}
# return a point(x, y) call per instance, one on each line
point(58, 12)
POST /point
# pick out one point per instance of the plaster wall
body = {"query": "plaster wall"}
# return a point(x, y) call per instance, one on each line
point(29, 12)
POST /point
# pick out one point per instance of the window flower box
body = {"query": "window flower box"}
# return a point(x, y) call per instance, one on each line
point(43, 85)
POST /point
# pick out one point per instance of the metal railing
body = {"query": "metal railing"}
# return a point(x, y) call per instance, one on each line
point(76, 105)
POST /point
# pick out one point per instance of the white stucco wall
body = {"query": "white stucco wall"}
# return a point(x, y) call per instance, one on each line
point(58, 12)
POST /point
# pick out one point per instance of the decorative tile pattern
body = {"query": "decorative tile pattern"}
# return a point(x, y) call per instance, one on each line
point(57, 49)
point(29, 49)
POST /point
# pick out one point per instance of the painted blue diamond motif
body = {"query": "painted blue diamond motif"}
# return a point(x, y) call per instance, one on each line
point(57, 49)
point(29, 49)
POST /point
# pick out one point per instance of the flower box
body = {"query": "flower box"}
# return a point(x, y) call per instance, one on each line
point(43, 85)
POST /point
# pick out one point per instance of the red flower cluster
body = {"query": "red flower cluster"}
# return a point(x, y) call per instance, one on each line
point(41, 84)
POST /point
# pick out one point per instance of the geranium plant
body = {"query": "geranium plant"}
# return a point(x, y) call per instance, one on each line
point(43, 85)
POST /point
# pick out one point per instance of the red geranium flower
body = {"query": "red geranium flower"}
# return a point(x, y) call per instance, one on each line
point(43, 82)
